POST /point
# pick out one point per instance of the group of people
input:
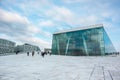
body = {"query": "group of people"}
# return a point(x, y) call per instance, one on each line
point(113, 53)
point(42, 53)
point(33, 53)
point(45, 53)
point(116, 53)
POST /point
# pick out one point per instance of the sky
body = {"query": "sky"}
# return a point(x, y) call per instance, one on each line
point(34, 21)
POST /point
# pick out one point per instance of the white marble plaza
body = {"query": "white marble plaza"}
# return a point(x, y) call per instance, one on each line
point(54, 67)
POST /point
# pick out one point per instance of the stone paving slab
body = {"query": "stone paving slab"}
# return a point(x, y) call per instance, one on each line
point(22, 67)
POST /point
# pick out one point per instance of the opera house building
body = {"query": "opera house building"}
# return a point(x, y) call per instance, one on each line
point(82, 41)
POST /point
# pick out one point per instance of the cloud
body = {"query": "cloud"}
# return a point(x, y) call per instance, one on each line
point(87, 20)
point(61, 14)
point(75, 1)
point(35, 41)
point(9, 17)
point(48, 23)
point(43, 17)
point(18, 28)
point(13, 22)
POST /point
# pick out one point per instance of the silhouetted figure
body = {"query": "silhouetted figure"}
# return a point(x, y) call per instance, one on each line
point(43, 54)
point(116, 53)
point(38, 52)
point(49, 53)
point(46, 53)
point(17, 52)
point(33, 53)
point(27, 53)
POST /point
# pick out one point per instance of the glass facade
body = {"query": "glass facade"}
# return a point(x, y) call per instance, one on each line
point(6, 46)
point(109, 48)
point(87, 42)
point(27, 48)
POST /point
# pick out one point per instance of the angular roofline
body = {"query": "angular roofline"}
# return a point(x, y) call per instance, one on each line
point(80, 28)
point(7, 40)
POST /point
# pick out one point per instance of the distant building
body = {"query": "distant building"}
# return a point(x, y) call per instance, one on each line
point(47, 49)
point(27, 48)
point(91, 40)
point(6, 46)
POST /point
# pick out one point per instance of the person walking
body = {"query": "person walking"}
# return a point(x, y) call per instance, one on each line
point(17, 52)
point(43, 53)
point(33, 53)
point(38, 52)
point(27, 53)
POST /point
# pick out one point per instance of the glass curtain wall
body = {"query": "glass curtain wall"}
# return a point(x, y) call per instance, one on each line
point(82, 42)
point(6, 46)
point(26, 48)
point(109, 47)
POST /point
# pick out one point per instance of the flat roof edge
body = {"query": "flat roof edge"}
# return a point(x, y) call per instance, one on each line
point(80, 28)
point(7, 40)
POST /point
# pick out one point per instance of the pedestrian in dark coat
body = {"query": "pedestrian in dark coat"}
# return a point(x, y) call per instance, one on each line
point(43, 53)
point(17, 52)
point(33, 53)
point(27, 53)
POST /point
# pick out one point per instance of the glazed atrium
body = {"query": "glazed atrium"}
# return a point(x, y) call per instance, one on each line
point(82, 41)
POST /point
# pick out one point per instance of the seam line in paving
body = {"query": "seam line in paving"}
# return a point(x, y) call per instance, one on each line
point(103, 72)
point(110, 74)
point(92, 72)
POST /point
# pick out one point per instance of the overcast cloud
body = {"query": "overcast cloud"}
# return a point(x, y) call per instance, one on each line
point(34, 21)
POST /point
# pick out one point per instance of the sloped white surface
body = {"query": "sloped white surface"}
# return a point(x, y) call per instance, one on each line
point(23, 67)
